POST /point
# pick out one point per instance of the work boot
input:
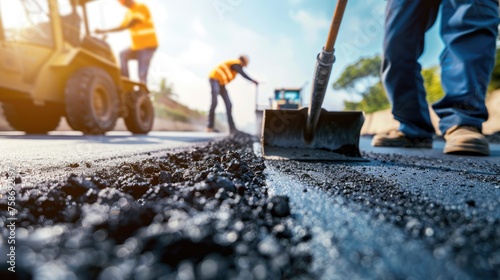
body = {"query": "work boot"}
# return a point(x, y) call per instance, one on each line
point(466, 140)
point(396, 138)
point(211, 129)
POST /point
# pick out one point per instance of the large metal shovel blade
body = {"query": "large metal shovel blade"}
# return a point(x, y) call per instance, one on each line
point(336, 137)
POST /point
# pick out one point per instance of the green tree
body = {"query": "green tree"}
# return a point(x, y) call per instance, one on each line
point(362, 72)
point(375, 99)
point(432, 84)
point(363, 79)
point(165, 89)
point(495, 77)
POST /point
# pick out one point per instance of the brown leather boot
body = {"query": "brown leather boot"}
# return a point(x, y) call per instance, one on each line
point(466, 140)
point(396, 138)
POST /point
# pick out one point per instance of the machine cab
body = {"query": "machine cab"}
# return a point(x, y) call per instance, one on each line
point(287, 98)
point(26, 39)
point(38, 35)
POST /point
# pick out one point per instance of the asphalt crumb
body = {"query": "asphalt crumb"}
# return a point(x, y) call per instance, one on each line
point(494, 138)
point(201, 213)
point(482, 171)
point(471, 241)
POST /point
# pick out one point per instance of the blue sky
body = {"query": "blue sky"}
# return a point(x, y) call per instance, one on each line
point(282, 38)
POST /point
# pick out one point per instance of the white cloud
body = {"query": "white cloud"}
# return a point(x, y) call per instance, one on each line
point(311, 24)
point(199, 28)
point(158, 11)
point(295, 2)
point(198, 53)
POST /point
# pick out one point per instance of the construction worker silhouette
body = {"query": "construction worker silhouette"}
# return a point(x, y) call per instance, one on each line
point(144, 40)
point(469, 31)
point(220, 76)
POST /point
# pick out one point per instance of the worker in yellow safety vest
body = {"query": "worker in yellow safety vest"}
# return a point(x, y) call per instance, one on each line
point(144, 41)
point(220, 76)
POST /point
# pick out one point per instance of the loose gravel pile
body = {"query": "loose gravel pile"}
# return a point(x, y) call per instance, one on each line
point(197, 214)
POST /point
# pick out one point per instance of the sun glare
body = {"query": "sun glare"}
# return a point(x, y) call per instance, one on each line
point(12, 13)
point(26, 21)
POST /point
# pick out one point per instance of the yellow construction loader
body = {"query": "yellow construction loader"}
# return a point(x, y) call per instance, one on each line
point(52, 67)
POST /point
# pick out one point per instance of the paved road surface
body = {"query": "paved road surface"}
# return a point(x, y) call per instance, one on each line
point(59, 148)
point(405, 213)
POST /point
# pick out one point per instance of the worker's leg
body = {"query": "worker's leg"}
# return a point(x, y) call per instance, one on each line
point(214, 84)
point(469, 31)
point(405, 27)
point(144, 60)
point(125, 56)
point(229, 108)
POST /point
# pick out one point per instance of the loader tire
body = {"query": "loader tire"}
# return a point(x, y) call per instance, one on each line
point(139, 114)
point(32, 119)
point(92, 104)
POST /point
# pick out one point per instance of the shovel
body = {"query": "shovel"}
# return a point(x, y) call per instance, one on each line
point(314, 133)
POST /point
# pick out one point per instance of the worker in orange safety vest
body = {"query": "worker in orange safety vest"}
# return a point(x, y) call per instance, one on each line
point(220, 76)
point(144, 41)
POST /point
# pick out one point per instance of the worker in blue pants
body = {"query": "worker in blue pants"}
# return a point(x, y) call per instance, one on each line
point(469, 30)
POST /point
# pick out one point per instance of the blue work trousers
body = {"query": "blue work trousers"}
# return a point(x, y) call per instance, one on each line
point(469, 31)
point(143, 58)
point(218, 89)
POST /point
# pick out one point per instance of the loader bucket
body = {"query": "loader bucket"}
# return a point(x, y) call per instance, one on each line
point(336, 137)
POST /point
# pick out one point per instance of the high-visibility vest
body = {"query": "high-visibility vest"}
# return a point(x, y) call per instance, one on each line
point(223, 72)
point(143, 33)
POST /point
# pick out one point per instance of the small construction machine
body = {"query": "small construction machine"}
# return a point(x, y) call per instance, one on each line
point(283, 99)
point(287, 98)
point(52, 67)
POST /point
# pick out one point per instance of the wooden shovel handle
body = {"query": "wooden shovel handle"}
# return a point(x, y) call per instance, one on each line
point(334, 28)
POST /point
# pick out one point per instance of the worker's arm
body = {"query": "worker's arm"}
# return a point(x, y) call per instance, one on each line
point(119, 28)
point(238, 68)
